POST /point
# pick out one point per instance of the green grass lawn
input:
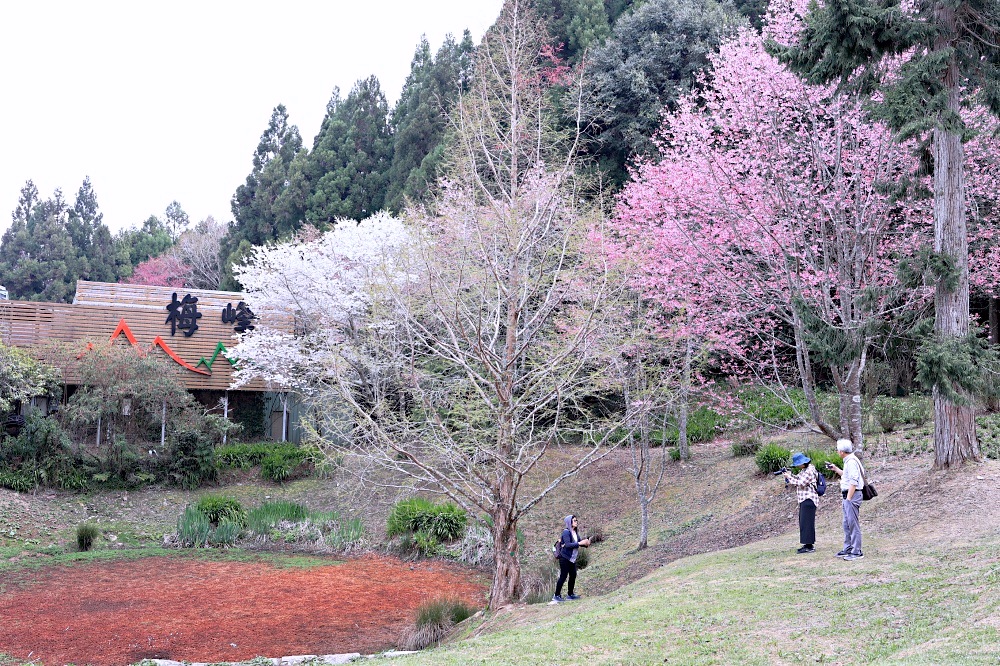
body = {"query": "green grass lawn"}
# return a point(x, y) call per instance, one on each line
point(762, 604)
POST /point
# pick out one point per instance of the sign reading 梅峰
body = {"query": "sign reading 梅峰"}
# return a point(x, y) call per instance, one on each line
point(242, 316)
point(183, 315)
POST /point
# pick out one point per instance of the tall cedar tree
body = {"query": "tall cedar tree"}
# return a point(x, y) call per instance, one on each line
point(137, 244)
point(929, 58)
point(419, 121)
point(576, 25)
point(347, 171)
point(264, 207)
point(50, 245)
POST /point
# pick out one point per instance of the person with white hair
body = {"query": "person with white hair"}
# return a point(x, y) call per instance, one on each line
point(851, 482)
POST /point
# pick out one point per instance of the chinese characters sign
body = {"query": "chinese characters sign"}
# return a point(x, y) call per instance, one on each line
point(183, 315)
point(242, 316)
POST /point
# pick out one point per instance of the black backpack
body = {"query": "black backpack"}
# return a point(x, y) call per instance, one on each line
point(557, 548)
point(820, 484)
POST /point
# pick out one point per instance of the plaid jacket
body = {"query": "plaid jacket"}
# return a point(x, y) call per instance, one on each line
point(805, 484)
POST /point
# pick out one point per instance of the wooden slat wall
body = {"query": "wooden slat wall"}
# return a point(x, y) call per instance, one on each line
point(99, 307)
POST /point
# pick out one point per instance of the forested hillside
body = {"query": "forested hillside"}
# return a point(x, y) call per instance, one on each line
point(637, 59)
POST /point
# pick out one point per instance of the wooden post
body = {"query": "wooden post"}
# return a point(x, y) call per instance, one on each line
point(98, 432)
point(284, 417)
point(225, 415)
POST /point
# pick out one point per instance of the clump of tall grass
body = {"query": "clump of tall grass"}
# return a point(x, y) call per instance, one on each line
point(434, 619)
point(193, 527)
point(86, 534)
point(539, 584)
point(268, 515)
point(292, 523)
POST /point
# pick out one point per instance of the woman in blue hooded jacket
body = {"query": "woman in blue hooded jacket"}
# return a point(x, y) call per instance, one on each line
point(570, 544)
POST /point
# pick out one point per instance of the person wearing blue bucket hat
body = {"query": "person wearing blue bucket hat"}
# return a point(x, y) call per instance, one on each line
point(804, 482)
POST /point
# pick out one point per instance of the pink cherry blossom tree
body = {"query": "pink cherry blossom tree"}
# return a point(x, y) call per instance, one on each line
point(164, 271)
point(776, 217)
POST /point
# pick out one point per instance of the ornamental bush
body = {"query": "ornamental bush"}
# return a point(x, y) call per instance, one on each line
point(218, 508)
point(772, 457)
point(444, 522)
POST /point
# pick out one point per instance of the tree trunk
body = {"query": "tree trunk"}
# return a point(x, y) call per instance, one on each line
point(644, 524)
point(954, 422)
point(994, 320)
point(806, 375)
point(850, 403)
point(682, 416)
point(507, 577)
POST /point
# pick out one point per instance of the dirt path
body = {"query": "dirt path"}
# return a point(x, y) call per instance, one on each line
point(188, 609)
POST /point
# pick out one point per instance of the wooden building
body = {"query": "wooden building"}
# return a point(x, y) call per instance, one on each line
point(191, 328)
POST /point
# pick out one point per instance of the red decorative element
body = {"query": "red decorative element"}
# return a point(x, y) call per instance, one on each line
point(123, 329)
point(158, 342)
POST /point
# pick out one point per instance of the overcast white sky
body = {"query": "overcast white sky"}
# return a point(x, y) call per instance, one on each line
point(164, 101)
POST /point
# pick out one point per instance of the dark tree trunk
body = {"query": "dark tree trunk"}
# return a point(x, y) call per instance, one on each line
point(682, 417)
point(994, 320)
point(506, 586)
point(954, 422)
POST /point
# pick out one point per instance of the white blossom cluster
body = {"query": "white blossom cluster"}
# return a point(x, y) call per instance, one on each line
point(308, 292)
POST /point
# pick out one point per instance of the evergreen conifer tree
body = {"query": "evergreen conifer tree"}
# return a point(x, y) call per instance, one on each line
point(929, 58)
point(348, 168)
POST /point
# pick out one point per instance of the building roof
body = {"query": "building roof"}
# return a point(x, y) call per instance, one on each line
point(143, 316)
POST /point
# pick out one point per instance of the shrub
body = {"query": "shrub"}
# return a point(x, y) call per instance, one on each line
point(917, 410)
point(42, 454)
point(772, 457)
point(889, 413)
point(279, 464)
point(217, 509)
point(675, 454)
point(747, 446)
point(193, 527)
point(703, 425)
point(434, 619)
point(243, 456)
point(582, 559)
point(86, 534)
point(17, 480)
point(820, 457)
point(192, 459)
point(445, 522)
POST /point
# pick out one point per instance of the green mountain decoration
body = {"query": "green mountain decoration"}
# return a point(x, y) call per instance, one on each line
point(218, 349)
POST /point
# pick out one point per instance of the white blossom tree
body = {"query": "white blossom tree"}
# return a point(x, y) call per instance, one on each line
point(482, 339)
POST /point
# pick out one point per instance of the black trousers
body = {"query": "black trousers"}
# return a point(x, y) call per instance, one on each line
point(567, 571)
point(807, 522)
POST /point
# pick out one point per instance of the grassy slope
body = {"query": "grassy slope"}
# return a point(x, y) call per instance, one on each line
point(926, 592)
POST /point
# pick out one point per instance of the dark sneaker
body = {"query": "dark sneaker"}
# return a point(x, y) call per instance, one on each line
point(846, 551)
point(850, 557)
point(573, 597)
point(806, 549)
point(557, 599)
